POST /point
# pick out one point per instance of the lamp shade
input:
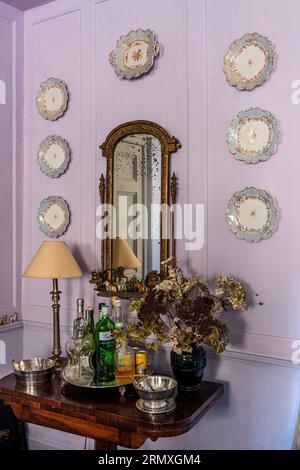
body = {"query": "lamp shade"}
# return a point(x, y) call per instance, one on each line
point(123, 256)
point(53, 260)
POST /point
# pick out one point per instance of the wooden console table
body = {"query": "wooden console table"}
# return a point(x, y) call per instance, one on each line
point(109, 418)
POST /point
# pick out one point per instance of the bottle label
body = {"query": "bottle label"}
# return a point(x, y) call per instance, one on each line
point(105, 336)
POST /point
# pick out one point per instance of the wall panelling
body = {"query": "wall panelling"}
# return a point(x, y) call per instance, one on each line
point(186, 92)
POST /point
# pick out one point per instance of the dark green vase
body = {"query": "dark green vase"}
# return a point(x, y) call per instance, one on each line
point(188, 368)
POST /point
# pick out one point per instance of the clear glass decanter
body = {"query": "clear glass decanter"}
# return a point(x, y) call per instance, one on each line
point(117, 316)
point(80, 350)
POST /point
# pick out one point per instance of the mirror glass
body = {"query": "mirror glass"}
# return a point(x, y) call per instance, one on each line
point(136, 169)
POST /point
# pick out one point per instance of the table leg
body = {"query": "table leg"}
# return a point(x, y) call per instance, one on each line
point(104, 445)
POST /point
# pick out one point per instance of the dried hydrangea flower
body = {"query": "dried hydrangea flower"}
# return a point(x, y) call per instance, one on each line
point(183, 310)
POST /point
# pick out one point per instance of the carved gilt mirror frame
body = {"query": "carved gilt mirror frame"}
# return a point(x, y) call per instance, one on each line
point(168, 187)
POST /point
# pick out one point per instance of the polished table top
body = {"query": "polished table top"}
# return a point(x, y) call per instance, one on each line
point(62, 403)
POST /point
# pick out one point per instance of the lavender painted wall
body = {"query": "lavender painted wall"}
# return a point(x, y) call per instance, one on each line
point(11, 68)
point(270, 267)
point(11, 73)
point(6, 169)
point(186, 93)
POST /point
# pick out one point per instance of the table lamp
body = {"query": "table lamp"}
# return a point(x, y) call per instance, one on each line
point(54, 260)
point(123, 257)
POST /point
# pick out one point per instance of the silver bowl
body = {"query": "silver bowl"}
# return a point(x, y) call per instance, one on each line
point(155, 392)
point(33, 371)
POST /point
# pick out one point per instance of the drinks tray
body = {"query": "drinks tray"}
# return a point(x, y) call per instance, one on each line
point(119, 382)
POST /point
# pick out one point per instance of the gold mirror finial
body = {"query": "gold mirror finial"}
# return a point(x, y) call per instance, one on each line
point(173, 202)
point(102, 188)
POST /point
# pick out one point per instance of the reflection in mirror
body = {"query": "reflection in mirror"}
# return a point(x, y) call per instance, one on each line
point(136, 165)
point(138, 176)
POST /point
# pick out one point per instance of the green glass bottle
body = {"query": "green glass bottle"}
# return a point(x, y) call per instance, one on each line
point(89, 329)
point(100, 305)
point(89, 333)
point(105, 348)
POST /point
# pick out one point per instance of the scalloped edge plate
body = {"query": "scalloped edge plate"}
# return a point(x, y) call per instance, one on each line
point(40, 102)
point(44, 206)
point(42, 151)
point(123, 45)
point(245, 117)
point(237, 47)
point(238, 229)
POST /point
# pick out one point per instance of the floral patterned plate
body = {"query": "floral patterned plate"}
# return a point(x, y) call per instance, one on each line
point(253, 135)
point(52, 99)
point(53, 216)
point(53, 156)
point(134, 53)
point(248, 61)
point(252, 214)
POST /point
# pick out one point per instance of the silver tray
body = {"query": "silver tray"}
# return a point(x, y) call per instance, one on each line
point(92, 385)
point(117, 383)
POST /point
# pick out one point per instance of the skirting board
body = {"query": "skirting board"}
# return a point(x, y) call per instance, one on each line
point(40, 438)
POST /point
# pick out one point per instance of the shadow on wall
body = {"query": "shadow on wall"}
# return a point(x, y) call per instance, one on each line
point(81, 255)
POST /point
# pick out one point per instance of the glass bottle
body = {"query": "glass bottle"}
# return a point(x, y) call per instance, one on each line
point(89, 329)
point(71, 369)
point(89, 332)
point(85, 348)
point(80, 311)
point(80, 349)
point(124, 355)
point(100, 305)
point(118, 314)
point(124, 361)
point(105, 349)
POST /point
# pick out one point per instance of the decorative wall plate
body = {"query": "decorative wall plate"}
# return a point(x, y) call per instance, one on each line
point(53, 156)
point(248, 61)
point(253, 135)
point(53, 216)
point(52, 99)
point(252, 214)
point(134, 53)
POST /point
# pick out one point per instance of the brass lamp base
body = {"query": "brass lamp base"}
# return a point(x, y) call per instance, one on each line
point(60, 362)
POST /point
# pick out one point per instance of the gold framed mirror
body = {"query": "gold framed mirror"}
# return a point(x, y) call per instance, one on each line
point(138, 173)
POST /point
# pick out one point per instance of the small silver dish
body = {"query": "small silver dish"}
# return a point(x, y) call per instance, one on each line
point(156, 392)
point(33, 371)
